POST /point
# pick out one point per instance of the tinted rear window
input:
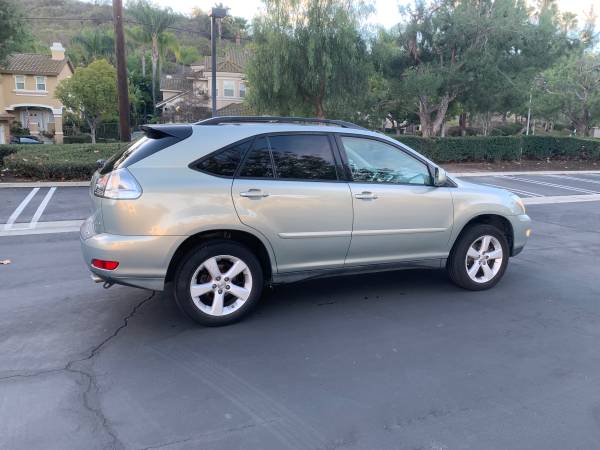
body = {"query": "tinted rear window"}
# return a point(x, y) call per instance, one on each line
point(303, 157)
point(258, 162)
point(225, 162)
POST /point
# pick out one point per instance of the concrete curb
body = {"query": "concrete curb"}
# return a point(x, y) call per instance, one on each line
point(38, 184)
point(528, 172)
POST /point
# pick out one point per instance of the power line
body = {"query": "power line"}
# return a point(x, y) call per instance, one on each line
point(205, 34)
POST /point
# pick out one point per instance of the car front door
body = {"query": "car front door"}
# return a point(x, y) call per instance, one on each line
point(290, 189)
point(398, 214)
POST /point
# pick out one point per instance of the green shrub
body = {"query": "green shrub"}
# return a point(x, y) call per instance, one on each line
point(65, 161)
point(503, 148)
point(6, 150)
point(551, 147)
point(78, 139)
point(458, 149)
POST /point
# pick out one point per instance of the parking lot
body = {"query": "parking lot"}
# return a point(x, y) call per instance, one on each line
point(382, 361)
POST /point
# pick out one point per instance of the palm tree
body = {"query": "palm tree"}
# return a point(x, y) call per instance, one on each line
point(137, 43)
point(94, 43)
point(154, 22)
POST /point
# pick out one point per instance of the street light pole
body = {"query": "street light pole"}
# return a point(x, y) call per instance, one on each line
point(216, 13)
point(122, 87)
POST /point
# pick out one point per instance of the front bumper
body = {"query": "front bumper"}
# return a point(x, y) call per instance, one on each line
point(143, 260)
point(521, 225)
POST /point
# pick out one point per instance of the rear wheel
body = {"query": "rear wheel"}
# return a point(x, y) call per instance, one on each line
point(479, 258)
point(218, 283)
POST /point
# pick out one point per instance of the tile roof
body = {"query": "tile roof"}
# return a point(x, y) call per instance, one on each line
point(234, 60)
point(170, 83)
point(33, 64)
point(235, 109)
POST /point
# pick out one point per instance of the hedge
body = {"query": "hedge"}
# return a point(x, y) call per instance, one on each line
point(6, 150)
point(78, 161)
point(53, 161)
point(505, 148)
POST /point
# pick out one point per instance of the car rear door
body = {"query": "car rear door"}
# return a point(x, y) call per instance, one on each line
point(290, 189)
point(398, 214)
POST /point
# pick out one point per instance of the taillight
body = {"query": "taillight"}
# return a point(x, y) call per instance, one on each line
point(118, 185)
point(106, 265)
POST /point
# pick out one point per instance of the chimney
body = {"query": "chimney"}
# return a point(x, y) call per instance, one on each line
point(58, 51)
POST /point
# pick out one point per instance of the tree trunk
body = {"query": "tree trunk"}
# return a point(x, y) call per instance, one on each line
point(93, 133)
point(154, 67)
point(143, 63)
point(432, 116)
point(462, 124)
point(319, 112)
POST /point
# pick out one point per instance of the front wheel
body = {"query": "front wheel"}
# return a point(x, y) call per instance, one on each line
point(218, 283)
point(479, 258)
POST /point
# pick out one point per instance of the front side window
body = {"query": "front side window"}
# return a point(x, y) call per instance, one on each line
point(303, 157)
point(242, 89)
point(373, 161)
point(228, 88)
point(20, 82)
point(225, 162)
point(258, 163)
point(40, 83)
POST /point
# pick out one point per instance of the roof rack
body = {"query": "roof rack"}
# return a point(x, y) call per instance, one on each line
point(277, 119)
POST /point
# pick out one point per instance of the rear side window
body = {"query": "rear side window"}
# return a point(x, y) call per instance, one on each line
point(258, 163)
point(225, 162)
point(303, 157)
point(139, 150)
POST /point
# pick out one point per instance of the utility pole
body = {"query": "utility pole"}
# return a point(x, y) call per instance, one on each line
point(216, 13)
point(122, 85)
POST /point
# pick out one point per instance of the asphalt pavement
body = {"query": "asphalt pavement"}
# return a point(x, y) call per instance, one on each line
point(400, 360)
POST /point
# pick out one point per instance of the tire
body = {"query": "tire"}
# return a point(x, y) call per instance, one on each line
point(219, 301)
point(467, 253)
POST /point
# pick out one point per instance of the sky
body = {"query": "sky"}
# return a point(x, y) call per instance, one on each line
point(386, 11)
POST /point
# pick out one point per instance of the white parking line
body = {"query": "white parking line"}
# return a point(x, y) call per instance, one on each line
point(61, 226)
point(565, 177)
point(562, 199)
point(544, 183)
point(516, 191)
point(17, 212)
point(42, 207)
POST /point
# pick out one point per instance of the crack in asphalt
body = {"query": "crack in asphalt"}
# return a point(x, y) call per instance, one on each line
point(89, 394)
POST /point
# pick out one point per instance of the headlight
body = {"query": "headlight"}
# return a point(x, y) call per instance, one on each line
point(519, 202)
point(117, 185)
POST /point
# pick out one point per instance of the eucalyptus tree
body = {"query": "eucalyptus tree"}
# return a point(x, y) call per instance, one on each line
point(572, 88)
point(15, 35)
point(309, 58)
point(154, 22)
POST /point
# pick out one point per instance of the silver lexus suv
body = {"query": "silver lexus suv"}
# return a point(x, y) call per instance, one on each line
point(222, 207)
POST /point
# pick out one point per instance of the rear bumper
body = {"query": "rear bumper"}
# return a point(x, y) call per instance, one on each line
point(143, 260)
point(521, 225)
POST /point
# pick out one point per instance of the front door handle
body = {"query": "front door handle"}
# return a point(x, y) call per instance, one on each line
point(253, 193)
point(366, 195)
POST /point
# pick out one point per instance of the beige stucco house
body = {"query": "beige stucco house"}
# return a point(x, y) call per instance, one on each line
point(27, 85)
point(194, 86)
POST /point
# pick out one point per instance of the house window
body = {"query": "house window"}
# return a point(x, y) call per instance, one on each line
point(242, 89)
point(19, 82)
point(228, 88)
point(40, 83)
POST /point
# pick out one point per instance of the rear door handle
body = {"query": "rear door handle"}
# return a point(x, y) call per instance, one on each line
point(365, 196)
point(253, 193)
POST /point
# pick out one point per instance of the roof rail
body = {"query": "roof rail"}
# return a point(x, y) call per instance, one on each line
point(277, 119)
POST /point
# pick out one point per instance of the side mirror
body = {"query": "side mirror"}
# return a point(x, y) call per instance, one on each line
point(439, 177)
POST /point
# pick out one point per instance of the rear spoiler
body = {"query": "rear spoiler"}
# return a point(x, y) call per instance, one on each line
point(180, 132)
